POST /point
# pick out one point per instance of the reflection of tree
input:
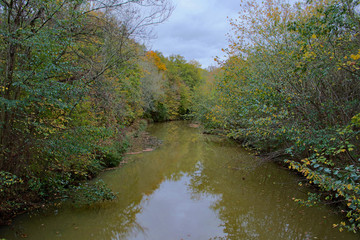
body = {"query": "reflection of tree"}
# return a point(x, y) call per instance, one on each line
point(179, 152)
point(137, 181)
point(252, 203)
point(122, 224)
point(247, 201)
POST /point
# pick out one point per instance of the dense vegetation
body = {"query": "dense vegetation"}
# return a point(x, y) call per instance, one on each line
point(73, 75)
point(290, 87)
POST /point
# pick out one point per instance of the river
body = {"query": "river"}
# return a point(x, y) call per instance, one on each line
point(194, 186)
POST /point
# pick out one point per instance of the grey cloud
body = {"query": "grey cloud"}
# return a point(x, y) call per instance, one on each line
point(197, 30)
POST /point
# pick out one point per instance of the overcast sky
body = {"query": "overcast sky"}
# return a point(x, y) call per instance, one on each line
point(196, 30)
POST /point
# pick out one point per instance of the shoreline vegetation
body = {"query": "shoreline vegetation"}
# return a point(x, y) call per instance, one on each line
point(136, 141)
point(74, 76)
point(290, 89)
point(76, 81)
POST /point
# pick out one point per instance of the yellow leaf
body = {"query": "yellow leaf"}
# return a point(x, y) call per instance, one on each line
point(355, 57)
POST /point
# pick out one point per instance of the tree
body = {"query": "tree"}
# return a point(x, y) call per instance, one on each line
point(60, 61)
point(290, 88)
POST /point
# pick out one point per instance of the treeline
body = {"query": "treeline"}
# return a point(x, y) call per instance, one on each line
point(291, 88)
point(73, 75)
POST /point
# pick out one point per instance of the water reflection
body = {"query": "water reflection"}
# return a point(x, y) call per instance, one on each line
point(193, 187)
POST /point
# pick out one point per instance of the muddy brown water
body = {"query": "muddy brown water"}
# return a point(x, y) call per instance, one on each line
point(193, 186)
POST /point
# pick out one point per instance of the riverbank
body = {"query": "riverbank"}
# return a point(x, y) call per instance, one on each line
point(140, 140)
point(25, 198)
point(332, 181)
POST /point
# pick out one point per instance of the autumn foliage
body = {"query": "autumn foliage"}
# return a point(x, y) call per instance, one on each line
point(72, 78)
point(290, 90)
point(153, 57)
